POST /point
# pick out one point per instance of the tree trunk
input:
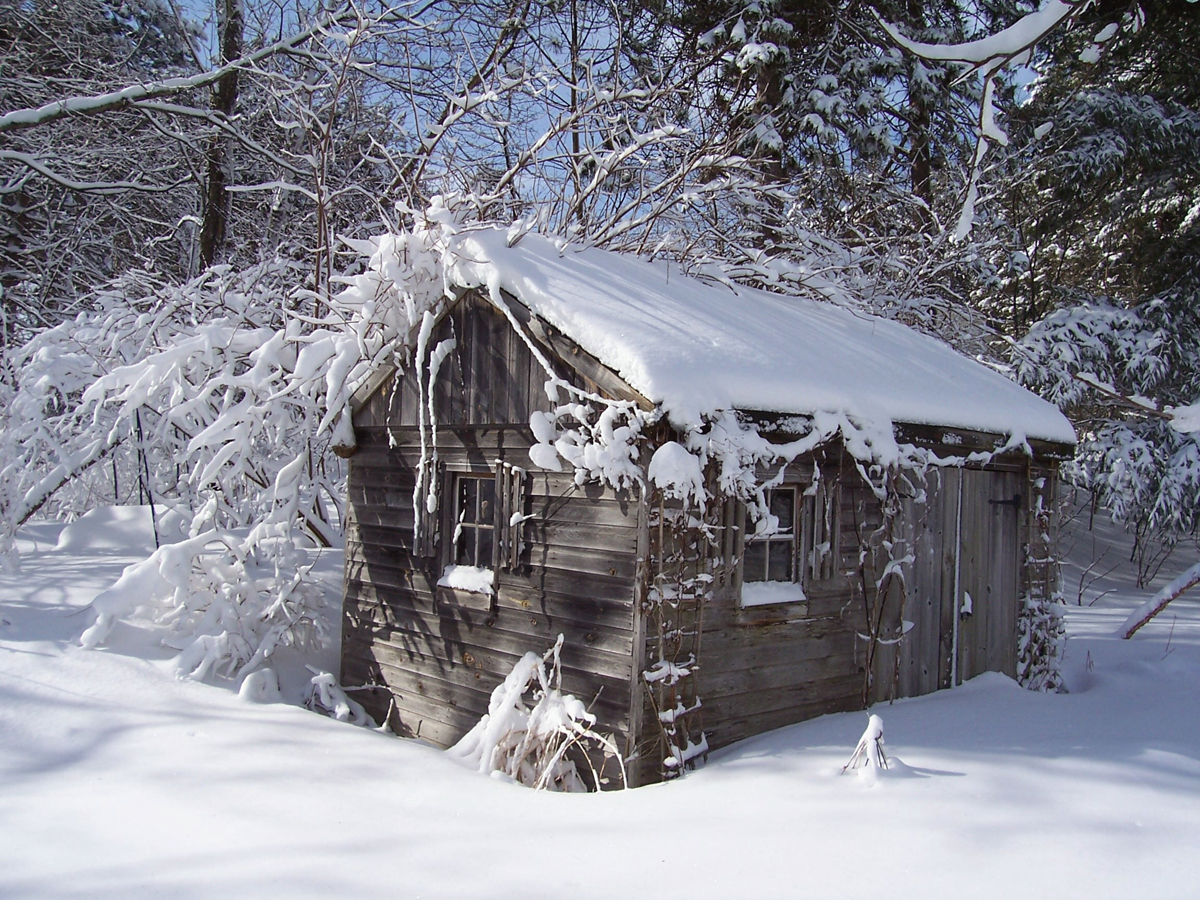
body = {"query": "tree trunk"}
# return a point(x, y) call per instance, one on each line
point(215, 226)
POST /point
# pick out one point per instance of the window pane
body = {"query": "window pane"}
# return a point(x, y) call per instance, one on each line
point(464, 549)
point(467, 496)
point(779, 565)
point(783, 504)
point(487, 494)
point(485, 548)
point(754, 564)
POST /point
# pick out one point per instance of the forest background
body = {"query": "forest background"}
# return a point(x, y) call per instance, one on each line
point(186, 192)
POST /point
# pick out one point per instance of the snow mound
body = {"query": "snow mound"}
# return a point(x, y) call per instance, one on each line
point(118, 531)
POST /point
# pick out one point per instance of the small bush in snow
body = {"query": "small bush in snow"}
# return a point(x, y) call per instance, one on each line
point(869, 752)
point(1040, 634)
point(220, 398)
point(537, 743)
point(330, 698)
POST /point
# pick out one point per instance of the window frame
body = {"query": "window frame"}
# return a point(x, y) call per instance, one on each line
point(815, 521)
point(791, 537)
point(510, 499)
point(457, 480)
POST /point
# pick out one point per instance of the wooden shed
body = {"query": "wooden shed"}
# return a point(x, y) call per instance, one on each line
point(868, 513)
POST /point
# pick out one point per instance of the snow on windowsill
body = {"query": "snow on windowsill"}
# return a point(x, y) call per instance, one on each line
point(473, 579)
point(762, 593)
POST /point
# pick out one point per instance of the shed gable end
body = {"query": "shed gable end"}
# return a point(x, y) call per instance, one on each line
point(488, 375)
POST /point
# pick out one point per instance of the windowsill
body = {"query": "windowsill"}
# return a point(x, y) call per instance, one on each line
point(768, 593)
point(466, 588)
point(471, 579)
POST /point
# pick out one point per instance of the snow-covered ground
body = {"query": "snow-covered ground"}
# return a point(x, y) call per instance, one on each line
point(118, 779)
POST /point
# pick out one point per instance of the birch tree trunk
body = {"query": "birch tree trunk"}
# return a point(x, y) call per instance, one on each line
point(1159, 601)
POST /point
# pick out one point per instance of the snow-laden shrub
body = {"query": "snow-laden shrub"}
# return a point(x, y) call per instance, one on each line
point(221, 399)
point(539, 741)
point(226, 602)
point(1040, 637)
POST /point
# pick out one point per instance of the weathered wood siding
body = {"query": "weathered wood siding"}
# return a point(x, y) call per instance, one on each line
point(490, 378)
point(433, 654)
point(429, 656)
point(968, 538)
point(765, 667)
point(769, 666)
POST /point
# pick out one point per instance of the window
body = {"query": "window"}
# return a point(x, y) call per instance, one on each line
point(778, 567)
point(475, 526)
point(773, 557)
point(486, 518)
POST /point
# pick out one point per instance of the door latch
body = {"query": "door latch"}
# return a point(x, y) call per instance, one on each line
point(1015, 502)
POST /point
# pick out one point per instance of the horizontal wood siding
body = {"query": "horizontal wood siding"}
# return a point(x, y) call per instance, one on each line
point(769, 666)
point(434, 654)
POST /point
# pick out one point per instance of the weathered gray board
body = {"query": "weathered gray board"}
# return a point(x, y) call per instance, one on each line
point(967, 537)
point(433, 654)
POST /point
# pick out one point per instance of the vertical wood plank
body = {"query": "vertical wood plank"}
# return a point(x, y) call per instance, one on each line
point(517, 382)
point(969, 580)
point(465, 399)
point(499, 407)
point(1004, 575)
point(951, 485)
point(409, 397)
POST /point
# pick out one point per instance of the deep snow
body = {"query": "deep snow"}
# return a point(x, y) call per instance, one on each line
point(117, 779)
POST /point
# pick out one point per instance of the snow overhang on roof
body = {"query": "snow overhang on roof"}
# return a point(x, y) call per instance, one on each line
point(697, 348)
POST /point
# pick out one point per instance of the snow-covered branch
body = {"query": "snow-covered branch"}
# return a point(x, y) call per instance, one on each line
point(18, 119)
point(1159, 601)
point(95, 187)
point(988, 56)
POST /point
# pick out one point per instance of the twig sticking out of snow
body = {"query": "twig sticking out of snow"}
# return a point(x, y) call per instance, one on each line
point(869, 752)
point(328, 697)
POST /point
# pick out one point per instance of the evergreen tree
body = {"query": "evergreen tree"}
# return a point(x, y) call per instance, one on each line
point(1105, 207)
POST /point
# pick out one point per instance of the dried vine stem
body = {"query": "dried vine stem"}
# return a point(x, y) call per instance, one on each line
point(687, 554)
point(881, 568)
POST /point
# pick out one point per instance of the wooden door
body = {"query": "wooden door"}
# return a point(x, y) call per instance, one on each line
point(989, 572)
point(966, 543)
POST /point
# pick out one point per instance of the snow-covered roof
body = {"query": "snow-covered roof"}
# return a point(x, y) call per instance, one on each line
point(697, 348)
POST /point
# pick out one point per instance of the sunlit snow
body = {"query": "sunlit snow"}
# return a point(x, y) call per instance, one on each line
point(121, 780)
